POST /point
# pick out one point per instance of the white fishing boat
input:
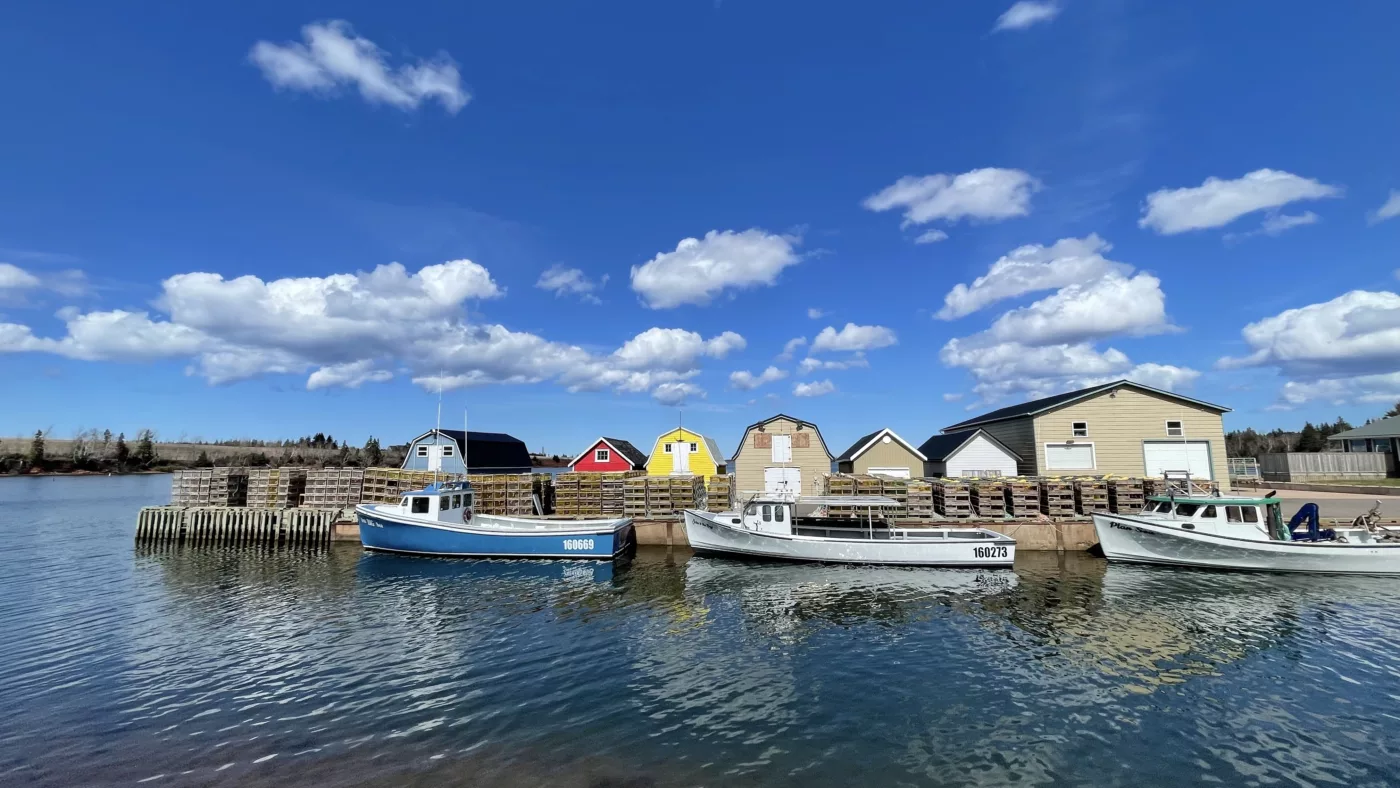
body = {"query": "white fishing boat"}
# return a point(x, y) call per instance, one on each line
point(1241, 532)
point(765, 527)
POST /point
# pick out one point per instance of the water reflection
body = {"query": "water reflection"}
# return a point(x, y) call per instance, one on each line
point(336, 667)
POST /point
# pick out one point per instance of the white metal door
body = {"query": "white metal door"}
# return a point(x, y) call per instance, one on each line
point(893, 473)
point(782, 479)
point(680, 455)
point(782, 448)
point(1193, 456)
point(1069, 456)
point(434, 458)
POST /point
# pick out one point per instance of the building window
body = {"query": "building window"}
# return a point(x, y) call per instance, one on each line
point(1380, 444)
point(602, 455)
point(422, 451)
point(694, 448)
point(666, 448)
point(1175, 429)
point(1079, 429)
point(447, 450)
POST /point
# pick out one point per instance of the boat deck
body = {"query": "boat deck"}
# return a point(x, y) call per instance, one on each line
point(848, 529)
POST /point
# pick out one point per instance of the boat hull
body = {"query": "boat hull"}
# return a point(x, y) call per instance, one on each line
point(493, 536)
point(1134, 540)
point(707, 534)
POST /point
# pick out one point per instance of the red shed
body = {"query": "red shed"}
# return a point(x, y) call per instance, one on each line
point(610, 454)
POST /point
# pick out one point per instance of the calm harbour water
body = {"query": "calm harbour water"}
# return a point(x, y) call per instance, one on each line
point(121, 664)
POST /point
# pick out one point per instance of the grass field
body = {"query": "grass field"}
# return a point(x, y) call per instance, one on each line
point(1360, 482)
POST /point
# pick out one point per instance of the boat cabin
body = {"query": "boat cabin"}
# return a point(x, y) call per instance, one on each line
point(1220, 516)
point(440, 501)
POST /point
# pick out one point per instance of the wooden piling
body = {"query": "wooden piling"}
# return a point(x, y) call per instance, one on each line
point(224, 525)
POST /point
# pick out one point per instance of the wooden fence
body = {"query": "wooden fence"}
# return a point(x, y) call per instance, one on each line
point(1305, 466)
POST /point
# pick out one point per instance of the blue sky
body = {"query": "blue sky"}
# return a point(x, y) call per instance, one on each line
point(605, 216)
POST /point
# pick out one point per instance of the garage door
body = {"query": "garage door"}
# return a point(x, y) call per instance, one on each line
point(1193, 456)
point(893, 473)
point(782, 479)
point(1069, 456)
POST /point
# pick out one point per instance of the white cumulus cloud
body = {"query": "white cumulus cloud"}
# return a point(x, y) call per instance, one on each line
point(1343, 350)
point(1025, 13)
point(349, 329)
point(815, 314)
point(931, 237)
point(814, 389)
point(1030, 268)
point(1048, 346)
point(12, 277)
point(331, 57)
point(853, 338)
point(561, 280)
point(809, 365)
point(700, 269)
point(988, 194)
point(791, 347)
point(1217, 202)
point(1110, 306)
point(674, 394)
point(1388, 210)
point(745, 380)
point(351, 375)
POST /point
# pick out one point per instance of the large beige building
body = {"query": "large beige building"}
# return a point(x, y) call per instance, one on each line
point(1121, 428)
point(781, 453)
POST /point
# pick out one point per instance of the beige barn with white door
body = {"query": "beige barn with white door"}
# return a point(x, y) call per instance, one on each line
point(781, 453)
point(1122, 428)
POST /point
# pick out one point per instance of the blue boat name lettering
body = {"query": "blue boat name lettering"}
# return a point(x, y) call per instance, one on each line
point(578, 544)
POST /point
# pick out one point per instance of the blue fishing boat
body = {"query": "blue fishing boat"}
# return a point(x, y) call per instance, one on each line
point(441, 520)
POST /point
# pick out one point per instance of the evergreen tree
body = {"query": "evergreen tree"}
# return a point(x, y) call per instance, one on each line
point(106, 438)
point(373, 454)
point(145, 453)
point(121, 453)
point(1310, 439)
point(1395, 411)
point(203, 461)
point(36, 449)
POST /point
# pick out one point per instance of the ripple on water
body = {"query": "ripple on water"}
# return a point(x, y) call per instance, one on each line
point(332, 667)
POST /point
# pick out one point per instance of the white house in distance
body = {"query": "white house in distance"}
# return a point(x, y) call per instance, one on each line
point(972, 452)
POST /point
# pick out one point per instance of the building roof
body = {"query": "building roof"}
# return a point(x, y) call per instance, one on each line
point(715, 453)
point(866, 441)
point(1038, 406)
point(488, 452)
point(629, 452)
point(1382, 428)
point(940, 447)
point(773, 418)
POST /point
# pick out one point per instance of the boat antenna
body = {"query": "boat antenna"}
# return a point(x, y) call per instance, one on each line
point(466, 441)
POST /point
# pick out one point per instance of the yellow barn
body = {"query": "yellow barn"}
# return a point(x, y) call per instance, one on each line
point(681, 452)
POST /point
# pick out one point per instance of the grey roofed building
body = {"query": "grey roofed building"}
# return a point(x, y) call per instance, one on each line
point(1043, 404)
point(1382, 435)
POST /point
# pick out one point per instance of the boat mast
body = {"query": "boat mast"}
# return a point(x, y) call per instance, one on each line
point(437, 432)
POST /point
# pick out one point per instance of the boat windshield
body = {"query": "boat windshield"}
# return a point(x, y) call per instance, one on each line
point(420, 504)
